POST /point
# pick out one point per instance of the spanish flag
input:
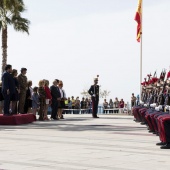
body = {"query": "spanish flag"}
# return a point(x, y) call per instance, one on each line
point(138, 19)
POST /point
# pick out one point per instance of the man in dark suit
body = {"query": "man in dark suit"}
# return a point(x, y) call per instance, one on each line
point(94, 92)
point(56, 96)
point(8, 88)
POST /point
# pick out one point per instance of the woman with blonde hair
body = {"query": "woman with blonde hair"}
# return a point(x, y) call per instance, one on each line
point(48, 98)
point(42, 97)
point(61, 104)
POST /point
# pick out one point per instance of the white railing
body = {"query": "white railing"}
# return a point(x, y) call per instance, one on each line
point(83, 111)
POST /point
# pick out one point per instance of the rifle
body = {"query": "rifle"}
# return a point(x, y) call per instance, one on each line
point(156, 95)
point(143, 91)
point(167, 99)
point(162, 99)
point(154, 87)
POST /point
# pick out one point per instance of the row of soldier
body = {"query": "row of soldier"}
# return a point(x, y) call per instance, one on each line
point(154, 108)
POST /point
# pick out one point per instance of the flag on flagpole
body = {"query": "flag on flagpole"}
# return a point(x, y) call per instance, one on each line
point(138, 19)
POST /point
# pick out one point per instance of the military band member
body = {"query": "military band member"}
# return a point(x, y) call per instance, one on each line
point(94, 92)
point(22, 79)
point(167, 97)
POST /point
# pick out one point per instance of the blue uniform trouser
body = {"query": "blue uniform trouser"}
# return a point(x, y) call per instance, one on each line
point(54, 108)
point(6, 103)
point(95, 103)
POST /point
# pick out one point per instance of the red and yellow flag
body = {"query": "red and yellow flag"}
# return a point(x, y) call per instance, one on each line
point(138, 19)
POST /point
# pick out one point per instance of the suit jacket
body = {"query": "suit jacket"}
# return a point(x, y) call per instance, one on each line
point(94, 90)
point(8, 83)
point(55, 93)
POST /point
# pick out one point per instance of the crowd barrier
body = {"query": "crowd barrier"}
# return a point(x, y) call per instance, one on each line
point(101, 110)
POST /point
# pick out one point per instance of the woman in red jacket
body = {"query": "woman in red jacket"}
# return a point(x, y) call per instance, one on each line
point(121, 104)
point(48, 98)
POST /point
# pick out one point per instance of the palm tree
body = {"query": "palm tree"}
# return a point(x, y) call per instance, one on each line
point(10, 14)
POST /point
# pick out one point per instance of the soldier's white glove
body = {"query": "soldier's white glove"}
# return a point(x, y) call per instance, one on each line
point(160, 107)
point(94, 95)
point(141, 103)
point(145, 105)
point(157, 108)
point(167, 107)
point(153, 105)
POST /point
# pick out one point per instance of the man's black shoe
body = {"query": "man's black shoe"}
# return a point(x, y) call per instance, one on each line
point(160, 143)
point(40, 119)
point(96, 117)
point(167, 146)
point(150, 131)
point(143, 123)
point(54, 118)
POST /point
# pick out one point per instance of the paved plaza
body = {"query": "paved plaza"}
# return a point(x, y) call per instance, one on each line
point(112, 142)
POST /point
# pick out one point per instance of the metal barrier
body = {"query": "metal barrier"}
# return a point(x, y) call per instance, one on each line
point(120, 110)
point(101, 110)
point(77, 111)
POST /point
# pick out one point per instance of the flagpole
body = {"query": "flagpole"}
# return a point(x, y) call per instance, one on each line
point(138, 19)
point(141, 49)
point(141, 66)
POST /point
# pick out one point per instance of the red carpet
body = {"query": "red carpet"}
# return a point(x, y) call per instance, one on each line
point(17, 119)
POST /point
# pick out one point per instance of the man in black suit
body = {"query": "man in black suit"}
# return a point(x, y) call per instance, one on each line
point(8, 88)
point(55, 98)
point(94, 92)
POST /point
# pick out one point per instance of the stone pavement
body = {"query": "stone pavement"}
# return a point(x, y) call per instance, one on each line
point(113, 142)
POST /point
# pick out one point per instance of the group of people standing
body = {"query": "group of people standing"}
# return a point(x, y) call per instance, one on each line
point(75, 105)
point(113, 106)
point(18, 96)
point(134, 100)
point(14, 89)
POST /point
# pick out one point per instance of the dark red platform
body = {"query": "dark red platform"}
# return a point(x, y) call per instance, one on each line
point(17, 119)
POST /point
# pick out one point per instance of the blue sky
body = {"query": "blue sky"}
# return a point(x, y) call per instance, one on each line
point(74, 40)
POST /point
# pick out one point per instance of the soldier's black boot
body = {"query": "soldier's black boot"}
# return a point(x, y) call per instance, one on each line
point(167, 146)
point(160, 143)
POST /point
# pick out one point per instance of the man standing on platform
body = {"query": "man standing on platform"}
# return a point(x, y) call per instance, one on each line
point(22, 79)
point(94, 92)
point(8, 88)
point(56, 97)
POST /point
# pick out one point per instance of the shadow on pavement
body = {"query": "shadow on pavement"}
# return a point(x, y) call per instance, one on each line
point(72, 124)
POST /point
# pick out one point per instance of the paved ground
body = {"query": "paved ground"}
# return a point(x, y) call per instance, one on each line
point(81, 143)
